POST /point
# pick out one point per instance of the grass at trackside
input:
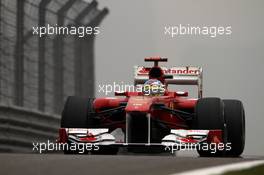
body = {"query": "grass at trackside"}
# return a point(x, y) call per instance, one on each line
point(257, 170)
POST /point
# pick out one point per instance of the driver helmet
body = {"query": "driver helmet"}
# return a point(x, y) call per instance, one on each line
point(153, 87)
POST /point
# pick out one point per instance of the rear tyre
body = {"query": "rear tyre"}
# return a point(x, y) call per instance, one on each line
point(235, 124)
point(209, 116)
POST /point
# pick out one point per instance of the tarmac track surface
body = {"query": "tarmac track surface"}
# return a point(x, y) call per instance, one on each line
point(55, 164)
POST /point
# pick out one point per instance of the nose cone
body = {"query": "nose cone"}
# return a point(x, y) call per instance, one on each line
point(139, 104)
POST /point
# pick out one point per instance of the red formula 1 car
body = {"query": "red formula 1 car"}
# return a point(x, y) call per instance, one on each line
point(155, 119)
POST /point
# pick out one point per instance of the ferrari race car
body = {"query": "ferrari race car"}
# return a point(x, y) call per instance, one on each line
point(156, 119)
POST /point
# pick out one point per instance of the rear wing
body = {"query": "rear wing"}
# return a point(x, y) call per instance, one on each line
point(188, 75)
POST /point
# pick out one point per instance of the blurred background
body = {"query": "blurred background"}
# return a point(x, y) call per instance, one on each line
point(40, 72)
point(36, 75)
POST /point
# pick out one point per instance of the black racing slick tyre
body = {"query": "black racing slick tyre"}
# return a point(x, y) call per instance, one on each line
point(209, 115)
point(78, 113)
point(235, 124)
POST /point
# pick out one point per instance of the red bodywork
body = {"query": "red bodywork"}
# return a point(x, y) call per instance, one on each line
point(161, 119)
point(137, 102)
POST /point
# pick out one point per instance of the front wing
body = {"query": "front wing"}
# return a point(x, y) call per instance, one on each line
point(101, 136)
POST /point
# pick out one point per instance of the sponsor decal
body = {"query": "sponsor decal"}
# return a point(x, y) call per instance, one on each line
point(170, 71)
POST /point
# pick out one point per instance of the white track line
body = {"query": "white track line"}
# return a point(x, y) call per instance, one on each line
point(222, 168)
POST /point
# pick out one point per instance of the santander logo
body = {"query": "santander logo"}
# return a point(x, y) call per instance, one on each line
point(171, 71)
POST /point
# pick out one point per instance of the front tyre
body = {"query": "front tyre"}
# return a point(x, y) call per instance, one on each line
point(78, 113)
point(235, 124)
point(209, 116)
